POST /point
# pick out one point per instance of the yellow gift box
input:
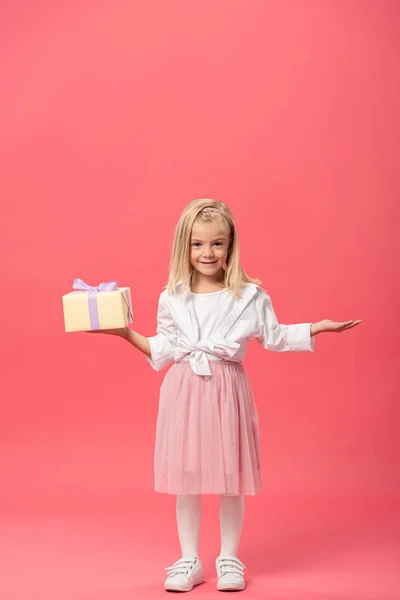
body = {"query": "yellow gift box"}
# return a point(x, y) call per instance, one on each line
point(92, 308)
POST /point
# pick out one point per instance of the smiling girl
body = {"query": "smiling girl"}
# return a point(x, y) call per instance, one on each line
point(207, 434)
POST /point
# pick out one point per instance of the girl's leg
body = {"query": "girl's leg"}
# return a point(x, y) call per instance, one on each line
point(231, 523)
point(188, 518)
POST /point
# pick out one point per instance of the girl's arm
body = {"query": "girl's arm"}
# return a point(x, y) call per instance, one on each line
point(297, 337)
point(136, 339)
point(278, 337)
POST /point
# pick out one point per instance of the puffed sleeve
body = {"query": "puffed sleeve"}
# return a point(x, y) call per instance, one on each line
point(277, 337)
point(163, 344)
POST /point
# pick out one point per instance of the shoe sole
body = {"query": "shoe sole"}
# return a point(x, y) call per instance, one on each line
point(230, 587)
point(182, 588)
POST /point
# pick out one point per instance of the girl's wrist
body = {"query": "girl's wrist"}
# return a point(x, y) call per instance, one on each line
point(316, 328)
point(124, 333)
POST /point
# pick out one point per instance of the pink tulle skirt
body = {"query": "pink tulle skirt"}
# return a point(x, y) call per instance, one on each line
point(207, 434)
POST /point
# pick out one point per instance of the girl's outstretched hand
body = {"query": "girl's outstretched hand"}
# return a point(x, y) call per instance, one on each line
point(334, 326)
point(119, 332)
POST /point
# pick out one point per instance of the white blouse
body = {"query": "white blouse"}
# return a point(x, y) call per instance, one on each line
point(210, 309)
point(217, 326)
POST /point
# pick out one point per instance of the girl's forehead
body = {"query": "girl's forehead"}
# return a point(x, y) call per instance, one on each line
point(210, 228)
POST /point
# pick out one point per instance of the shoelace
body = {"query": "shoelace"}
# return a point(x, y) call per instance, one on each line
point(231, 564)
point(183, 566)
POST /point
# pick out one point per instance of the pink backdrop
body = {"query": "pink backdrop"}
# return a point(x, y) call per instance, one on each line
point(113, 116)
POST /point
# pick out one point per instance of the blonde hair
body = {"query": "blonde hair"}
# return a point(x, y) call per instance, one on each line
point(180, 270)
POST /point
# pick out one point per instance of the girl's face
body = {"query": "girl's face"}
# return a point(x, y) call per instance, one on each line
point(209, 246)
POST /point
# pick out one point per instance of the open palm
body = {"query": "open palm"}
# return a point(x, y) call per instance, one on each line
point(337, 327)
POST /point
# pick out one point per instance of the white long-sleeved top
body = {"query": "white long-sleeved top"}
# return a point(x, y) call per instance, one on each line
point(179, 336)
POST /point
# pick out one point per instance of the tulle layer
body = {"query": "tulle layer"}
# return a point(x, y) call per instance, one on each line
point(207, 434)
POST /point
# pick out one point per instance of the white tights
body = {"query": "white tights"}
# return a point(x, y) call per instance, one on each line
point(188, 517)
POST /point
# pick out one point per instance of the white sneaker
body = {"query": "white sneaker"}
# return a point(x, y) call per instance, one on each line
point(184, 574)
point(230, 571)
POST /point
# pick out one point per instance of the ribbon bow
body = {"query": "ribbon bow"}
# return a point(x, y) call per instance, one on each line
point(198, 359)
point(109, 286)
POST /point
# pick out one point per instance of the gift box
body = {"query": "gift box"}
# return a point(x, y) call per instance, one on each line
point(91, 308)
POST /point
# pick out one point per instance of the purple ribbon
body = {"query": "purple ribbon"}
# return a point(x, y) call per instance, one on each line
point(109, 286)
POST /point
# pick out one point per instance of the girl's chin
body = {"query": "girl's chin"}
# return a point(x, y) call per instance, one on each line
point(210, 272)
point(205, 268)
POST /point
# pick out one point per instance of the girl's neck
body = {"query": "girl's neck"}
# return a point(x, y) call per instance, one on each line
point(206, 285)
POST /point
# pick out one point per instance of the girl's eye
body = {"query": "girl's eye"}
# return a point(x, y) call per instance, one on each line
point(198, 244)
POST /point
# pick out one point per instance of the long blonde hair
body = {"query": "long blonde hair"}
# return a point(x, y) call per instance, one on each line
point(180, 270)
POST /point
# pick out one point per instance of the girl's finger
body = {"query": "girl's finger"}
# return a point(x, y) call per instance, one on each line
point(349, 326)
point(341, 326)
point(355, 323)
point(352, 322)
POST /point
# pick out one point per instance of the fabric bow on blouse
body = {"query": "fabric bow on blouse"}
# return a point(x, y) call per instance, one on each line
point(220, 347)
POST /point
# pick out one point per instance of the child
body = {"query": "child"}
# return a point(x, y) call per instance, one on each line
point(207, 433)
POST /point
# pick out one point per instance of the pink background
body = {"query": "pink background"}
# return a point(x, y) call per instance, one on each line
point(113, 115)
